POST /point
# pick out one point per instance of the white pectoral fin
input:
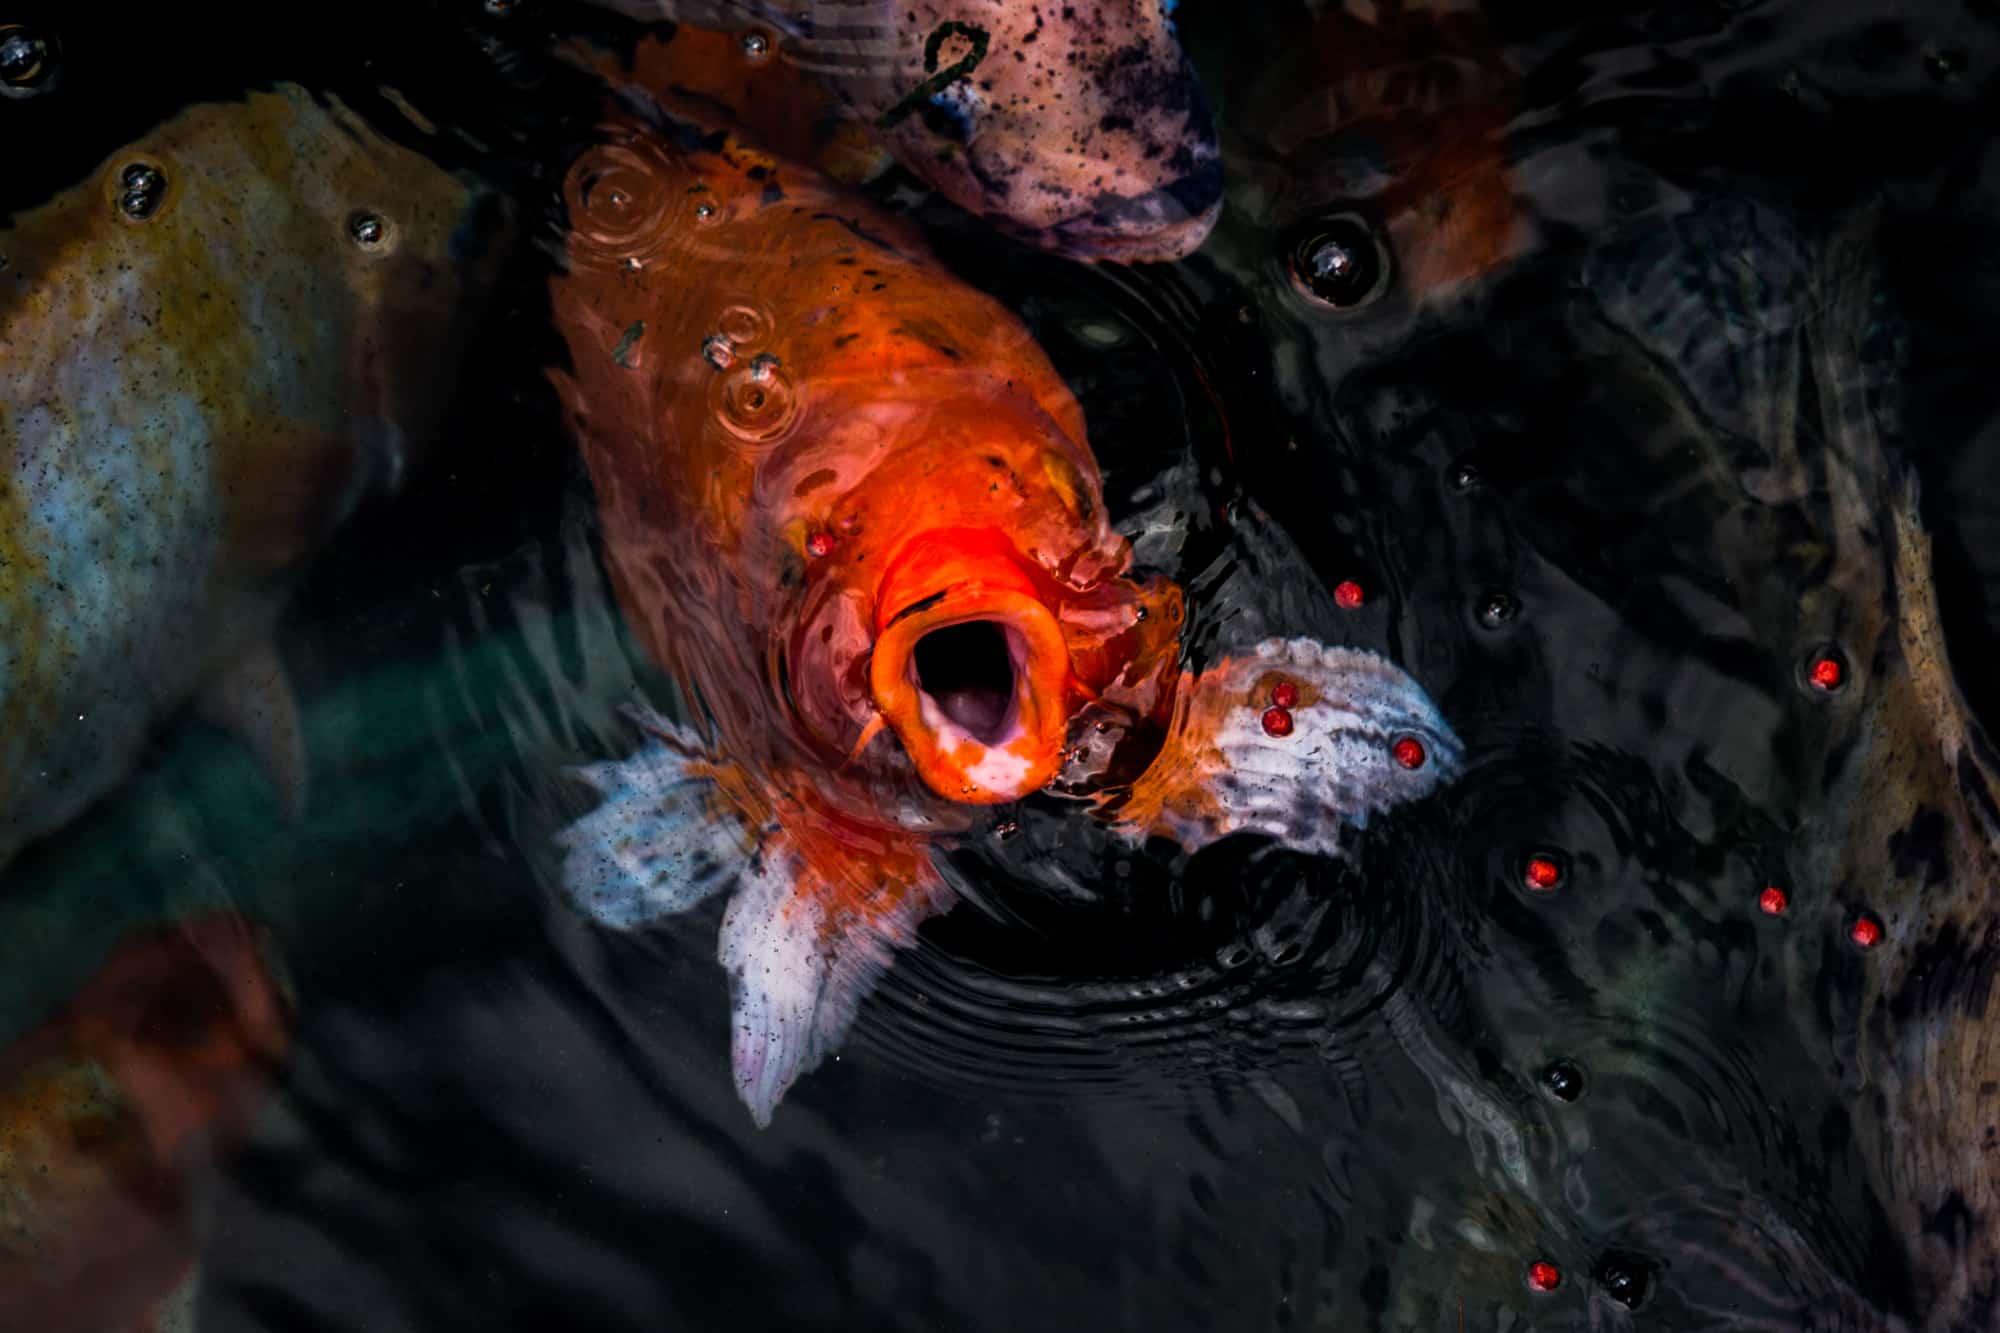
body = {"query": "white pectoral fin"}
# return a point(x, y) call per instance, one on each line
point(1293, 740)
point(801, 956)
point(661, 841)
point(253, 702)
point(807, 932)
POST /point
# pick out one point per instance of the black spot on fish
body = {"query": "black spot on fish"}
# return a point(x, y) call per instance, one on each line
point(1921, 847)
point(773, 193)
point(845, 339)
point(1949, 971)
point(1951, 1221)
point(882, 243)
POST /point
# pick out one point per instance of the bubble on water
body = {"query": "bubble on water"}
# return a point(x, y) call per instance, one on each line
point(368, 230)
point(28, 61)
point(718, 351)
point(1496, 608)
point(757, 403)
point(756, 45)
point(744, 325)
point(622, 207)
point(142, 187)
point(1623, 1277)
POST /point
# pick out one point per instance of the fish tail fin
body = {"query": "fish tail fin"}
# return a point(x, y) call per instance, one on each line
point(817, 911)
point(1292, 740)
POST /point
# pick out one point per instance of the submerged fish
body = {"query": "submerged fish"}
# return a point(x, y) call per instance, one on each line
point(210, 350)
point(1079, 128)
point(113, 1117)
point(842, 493)
point(1369, 153)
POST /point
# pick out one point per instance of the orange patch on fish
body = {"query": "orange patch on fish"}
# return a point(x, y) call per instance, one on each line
point(114, 1113)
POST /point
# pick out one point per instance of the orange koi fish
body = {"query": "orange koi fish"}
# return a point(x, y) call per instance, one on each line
point(113, 1118)
point(848, 506)
point(210, 350)
point(1078, 128)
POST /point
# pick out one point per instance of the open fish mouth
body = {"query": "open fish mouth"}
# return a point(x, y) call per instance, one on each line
point(973, 680)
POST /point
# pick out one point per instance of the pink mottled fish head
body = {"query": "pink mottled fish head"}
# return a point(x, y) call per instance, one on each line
point(1079, 128)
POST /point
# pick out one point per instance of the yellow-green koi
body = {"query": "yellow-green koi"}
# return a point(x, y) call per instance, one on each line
point(210, 350)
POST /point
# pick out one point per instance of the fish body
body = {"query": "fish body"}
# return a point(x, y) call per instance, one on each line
point(113, 1117)
point(1079, 128)
point(848, 505)
point(210, 349)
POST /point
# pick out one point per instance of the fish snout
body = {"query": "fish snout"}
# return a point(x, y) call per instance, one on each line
point(974, 678)
point(1166, 223)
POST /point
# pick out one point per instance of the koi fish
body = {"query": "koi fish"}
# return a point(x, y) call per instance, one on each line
point(1080, 129)
point(1372, 148)
point(210, 351)
point(114, 1116)
point(1895, 838)
point(848, 506)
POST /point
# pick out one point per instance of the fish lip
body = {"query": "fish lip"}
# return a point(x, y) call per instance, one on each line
point(1090, 237)
point(953, 763)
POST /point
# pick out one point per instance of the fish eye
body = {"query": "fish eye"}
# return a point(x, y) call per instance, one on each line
point(1340, 261)
point(953, 113)
point(27, 61)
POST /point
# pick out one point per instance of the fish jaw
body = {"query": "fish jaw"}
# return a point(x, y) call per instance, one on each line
point(1229, 766)
point(970, 668)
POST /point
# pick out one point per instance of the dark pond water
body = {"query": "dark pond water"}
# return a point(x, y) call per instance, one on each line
point(1614, 452)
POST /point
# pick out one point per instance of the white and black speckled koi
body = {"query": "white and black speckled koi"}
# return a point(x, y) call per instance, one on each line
point(1080, 128)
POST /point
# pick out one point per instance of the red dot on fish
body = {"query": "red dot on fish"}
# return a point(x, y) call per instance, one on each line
point(1866, 932)
point(1409, 752)
point(1285, 694)
point(1544, 1276)
point(819, 545)
point(1825, 673)
point(1773, 901)
point(1349, 595)
point(1542, 873)
point(1277, 722)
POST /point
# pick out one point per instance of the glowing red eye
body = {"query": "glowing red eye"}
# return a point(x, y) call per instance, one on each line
point(1826, 674)
point(1544, 1276)
point(1542, 872)
point(1866, 931)
point(1772, 901)
point(1285, 694)
point(1349, 595)
point(1409, 752)
point(819, 545)
point(1277, 722)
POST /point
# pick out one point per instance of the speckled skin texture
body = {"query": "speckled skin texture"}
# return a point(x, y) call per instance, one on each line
point(189, 403)
point(1082, 129)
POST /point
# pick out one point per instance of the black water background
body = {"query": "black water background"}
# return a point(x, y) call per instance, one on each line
point(1251, 1091)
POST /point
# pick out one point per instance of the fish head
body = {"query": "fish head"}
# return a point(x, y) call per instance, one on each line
point(1080, 129)
point(970, 666)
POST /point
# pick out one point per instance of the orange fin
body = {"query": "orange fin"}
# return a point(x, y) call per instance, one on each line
point(1326, 755)
point(817, 909)
point(253, 702)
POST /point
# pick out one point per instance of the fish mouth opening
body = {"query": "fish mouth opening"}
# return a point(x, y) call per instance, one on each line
point(975, 682)
point(968, 673)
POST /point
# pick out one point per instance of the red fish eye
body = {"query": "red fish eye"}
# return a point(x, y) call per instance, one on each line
point(1285, 694)
point(1349, 595)
point(1409, 752)
point(1866, 931)
point(1825, 673)
point(1277, 722)
point(1772, 901)
point(819, 545)
point(1544, 1276)
point(1542, 873)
